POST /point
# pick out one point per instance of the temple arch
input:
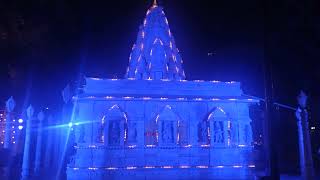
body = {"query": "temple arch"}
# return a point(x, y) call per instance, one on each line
point(217, 130)
point(114, 126)
point(167, 122)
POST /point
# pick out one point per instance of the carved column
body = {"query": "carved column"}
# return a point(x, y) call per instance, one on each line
point(10, 104)
point(212, 132)
point(39, 144)
point(225, 132)
point(26, 152)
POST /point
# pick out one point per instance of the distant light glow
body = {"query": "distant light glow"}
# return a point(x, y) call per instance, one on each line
point(215, 81)
point(92, 168)
point(70, 124)
point(205, 145)
point(150, 145)
point(184, 167)
point(202, 167)
point(149, 167)
point(20, 120)
point(237, 166)
point(313, 128)
point(167, 167)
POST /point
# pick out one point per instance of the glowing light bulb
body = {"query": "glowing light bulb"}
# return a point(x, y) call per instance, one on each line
point(20, 120)
point(70, 124)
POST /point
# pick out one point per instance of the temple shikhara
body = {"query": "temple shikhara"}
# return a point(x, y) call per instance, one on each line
point(154, 123)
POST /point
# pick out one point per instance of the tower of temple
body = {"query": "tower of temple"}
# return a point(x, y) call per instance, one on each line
point(154, 54)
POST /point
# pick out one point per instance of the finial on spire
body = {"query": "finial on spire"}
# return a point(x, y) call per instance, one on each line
point(155, 3)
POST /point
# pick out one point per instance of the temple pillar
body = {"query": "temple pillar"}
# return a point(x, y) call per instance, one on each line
point(10, 104)
point(212, 133)
point(26, 152)
point(39, 144)
point(225, 132)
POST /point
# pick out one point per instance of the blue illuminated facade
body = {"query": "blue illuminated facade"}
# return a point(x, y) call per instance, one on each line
point(154, 124)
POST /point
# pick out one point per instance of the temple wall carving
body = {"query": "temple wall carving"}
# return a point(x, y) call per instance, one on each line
point(159, 123)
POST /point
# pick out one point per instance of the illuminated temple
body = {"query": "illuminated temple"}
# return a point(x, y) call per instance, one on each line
point(155, 124)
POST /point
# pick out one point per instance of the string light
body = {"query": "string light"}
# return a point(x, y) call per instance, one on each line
point(166, 167)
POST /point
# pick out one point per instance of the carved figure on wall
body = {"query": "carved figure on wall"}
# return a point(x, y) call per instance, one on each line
point(114, 133)
point(132, 132)
point(218, 132)
point(167, 132)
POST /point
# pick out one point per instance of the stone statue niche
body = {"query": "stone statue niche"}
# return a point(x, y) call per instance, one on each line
point(114, 133)
point(167, 127)
point(167, 132)
point(220, 127)
point(218, 132)
point(114, 127)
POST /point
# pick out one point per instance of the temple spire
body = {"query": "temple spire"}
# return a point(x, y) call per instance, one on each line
point(154, 54)
point(155, 3)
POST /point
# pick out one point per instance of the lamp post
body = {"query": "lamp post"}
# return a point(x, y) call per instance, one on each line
point(306, 163)
point(26, 152)
point(10, 104)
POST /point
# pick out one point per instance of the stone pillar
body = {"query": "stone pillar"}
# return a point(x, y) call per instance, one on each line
point(10, 104)
point(225, 131)
point(39, 144)
point(306, 163)
point(26, 152)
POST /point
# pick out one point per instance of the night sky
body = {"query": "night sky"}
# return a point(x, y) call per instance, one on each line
point(46, 44)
